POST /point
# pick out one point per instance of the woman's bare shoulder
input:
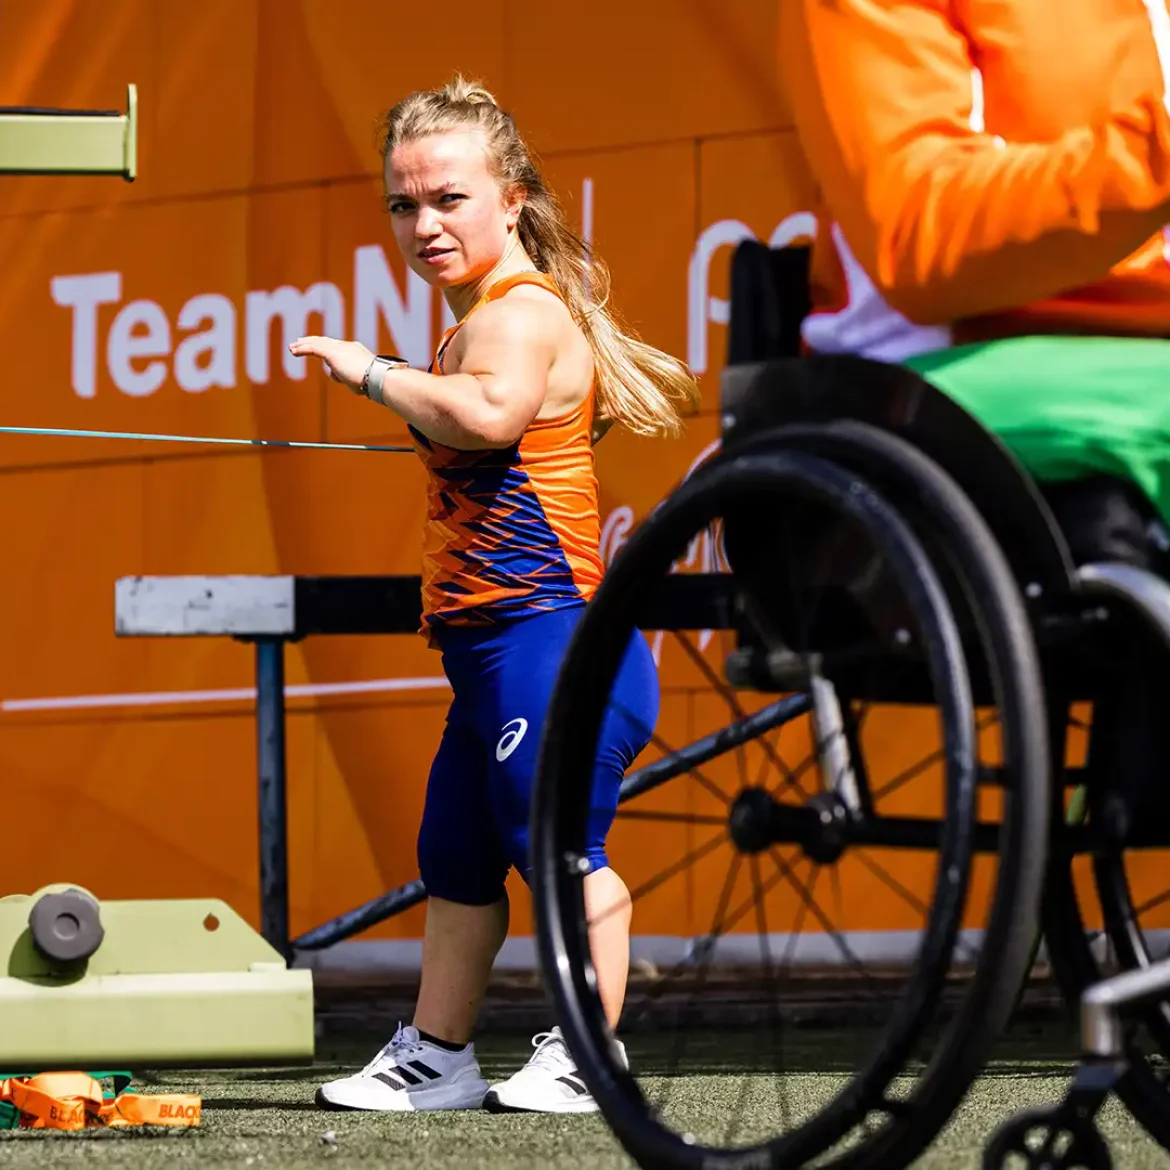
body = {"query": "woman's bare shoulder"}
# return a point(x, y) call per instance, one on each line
point(527, 314)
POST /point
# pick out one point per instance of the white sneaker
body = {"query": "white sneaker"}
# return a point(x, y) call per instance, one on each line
point(548, 1083)
point(410, 1074)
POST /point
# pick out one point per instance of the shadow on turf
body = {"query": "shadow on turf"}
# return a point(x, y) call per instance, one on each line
point(97, 1134)
point(214, 1105)
point(243, 1076)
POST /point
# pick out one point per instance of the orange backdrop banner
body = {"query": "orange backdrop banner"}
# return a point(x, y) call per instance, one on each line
point(166, 305)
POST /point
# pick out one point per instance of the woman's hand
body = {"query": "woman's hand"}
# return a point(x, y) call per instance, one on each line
point(345, 361)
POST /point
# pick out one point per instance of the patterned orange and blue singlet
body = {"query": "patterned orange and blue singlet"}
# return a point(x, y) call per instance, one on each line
point(511, 531)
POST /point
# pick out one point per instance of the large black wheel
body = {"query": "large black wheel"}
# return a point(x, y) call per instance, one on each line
point(1107, 907)
point(869, 600)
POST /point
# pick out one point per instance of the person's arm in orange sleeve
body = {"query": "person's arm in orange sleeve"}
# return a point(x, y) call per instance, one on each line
point(947, 222)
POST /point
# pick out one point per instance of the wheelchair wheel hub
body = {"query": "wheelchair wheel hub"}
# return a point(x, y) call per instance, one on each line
point(818, 826)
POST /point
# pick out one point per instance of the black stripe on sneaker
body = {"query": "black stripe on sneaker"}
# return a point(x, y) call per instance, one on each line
point(574, 1084)
point(426, 1070)
point(407, 1075)
point(387, 1079)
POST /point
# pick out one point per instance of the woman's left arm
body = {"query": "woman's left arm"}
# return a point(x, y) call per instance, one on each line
point(504, 359)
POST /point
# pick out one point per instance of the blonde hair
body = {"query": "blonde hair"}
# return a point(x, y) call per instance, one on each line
point(637, 385)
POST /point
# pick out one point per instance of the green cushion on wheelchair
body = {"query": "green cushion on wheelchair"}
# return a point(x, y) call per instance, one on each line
point(1068, 407)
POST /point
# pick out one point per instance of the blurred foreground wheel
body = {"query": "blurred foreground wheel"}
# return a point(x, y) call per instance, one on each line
point(865, 625)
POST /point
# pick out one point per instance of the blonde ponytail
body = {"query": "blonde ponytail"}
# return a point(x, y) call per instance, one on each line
point(638, 386)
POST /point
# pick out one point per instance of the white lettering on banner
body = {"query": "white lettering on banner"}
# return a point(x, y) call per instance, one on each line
point(614, 532)
point(376, 296)
point(139, 341)
point(140, 330)
point(83, 294)
point(207, 356)
point(800, 225)
point(192, 372)
point(293, 308)
point(702, 308)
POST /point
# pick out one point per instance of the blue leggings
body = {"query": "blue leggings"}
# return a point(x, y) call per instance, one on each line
point(475, 819)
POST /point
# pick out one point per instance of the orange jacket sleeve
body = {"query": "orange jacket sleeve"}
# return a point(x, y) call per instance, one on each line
point(949, 222)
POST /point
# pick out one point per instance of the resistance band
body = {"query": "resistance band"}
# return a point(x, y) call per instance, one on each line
point(76, 1100)
point(61, 432)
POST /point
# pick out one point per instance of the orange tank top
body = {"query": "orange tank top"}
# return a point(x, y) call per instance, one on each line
point(514, 531)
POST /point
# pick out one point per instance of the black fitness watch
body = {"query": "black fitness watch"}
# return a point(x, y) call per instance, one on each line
point(376, 373)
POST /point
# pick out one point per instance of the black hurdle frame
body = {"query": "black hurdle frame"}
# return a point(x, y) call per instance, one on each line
point(391, 605)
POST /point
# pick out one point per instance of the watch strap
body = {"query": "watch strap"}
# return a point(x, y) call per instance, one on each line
point(376, 374)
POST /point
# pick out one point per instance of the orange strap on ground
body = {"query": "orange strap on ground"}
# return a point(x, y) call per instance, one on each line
point(73, 1100)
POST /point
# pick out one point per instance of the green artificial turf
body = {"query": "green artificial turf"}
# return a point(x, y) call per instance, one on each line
point(265, 1119)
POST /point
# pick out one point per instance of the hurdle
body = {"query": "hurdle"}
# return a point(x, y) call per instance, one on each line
point(36, 140)
point(268, 612)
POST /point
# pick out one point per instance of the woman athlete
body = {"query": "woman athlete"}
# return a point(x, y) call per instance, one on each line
point(535, 371)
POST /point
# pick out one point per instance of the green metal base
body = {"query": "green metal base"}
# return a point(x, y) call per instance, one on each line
point(172, 984)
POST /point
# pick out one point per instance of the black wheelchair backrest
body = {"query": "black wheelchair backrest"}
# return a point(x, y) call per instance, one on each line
point(823, 388)
point(769, 301)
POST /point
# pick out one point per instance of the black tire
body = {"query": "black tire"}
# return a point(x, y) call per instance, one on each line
point(986, 593)
point(562, 793)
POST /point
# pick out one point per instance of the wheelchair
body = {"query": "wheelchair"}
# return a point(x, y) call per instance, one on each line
point(880, 580)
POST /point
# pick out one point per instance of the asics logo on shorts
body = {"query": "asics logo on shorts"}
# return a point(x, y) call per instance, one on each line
point(513, 733)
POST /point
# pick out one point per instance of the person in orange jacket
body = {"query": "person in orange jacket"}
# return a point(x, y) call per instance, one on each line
point(995, 182)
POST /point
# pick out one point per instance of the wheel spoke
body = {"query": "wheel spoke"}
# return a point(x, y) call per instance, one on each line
point(693, 772)
point(774, 1022)
point(736, 709)
point(908, 896)
point(801, 915)
point(639, 814)
point(846, 950)
point(916, 770)
point(789, 782)
point(1152, 904)
point(671, 871)
point(681, 1033)
point(704, 945)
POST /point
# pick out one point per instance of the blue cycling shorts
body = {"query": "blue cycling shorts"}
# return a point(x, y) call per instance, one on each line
point(479, 794)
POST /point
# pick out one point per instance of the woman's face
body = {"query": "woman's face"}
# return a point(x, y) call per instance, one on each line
point(450, 218)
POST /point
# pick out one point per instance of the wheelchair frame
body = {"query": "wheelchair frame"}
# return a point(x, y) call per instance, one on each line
point(868, 419)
